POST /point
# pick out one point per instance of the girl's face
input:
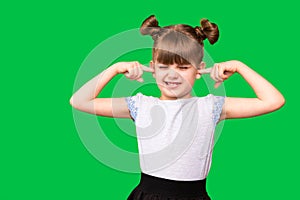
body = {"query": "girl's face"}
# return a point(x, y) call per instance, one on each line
point(175, 81)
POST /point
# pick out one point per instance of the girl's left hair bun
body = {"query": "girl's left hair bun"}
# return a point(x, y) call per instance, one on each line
point(208, 30)
point(150, 27)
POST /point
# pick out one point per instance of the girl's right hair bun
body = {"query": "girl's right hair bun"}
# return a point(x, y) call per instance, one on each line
point(208, 30)
point(150, 27)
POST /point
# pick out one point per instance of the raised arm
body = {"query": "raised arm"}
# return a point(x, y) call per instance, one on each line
point(85, 99)
point(268, 98)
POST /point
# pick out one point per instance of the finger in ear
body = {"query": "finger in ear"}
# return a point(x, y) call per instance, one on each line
point(152, 65)
point(202, 65)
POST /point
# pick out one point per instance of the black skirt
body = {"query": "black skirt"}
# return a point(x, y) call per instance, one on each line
point(154, 188)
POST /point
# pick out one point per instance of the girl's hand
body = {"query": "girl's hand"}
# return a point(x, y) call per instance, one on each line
point(220, 71)
point(132, 70)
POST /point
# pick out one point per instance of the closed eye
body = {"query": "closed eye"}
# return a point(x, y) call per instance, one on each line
point(163, 67)
point(183, 67)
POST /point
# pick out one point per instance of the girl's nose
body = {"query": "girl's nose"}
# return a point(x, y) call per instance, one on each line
point(172, 74)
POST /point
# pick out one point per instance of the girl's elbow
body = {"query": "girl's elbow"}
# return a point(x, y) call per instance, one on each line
point(71, 101)
point(281, 102)
point(75, 103)
point(277, 104)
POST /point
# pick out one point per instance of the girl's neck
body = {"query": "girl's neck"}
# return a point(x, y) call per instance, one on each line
point(188, 96)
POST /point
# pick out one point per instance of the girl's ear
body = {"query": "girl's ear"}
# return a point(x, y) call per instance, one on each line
point(152, 65)
point(200, 67)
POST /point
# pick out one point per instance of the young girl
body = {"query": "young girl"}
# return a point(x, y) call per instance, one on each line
point(175, 131)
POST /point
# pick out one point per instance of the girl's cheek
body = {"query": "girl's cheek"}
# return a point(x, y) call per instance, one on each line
point(160, 73)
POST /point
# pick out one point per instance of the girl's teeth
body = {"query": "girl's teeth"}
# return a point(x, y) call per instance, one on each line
point(170, 83)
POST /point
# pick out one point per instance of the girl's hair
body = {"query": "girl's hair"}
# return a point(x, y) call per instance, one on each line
point(181, 44)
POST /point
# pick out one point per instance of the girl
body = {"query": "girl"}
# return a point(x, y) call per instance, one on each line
point(175, 131)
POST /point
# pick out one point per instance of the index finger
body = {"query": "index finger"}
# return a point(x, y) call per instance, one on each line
point(147, 69)
point(205, 71)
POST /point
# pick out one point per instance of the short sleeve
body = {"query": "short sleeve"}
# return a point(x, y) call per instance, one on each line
point(132, 104)
point(217, 107)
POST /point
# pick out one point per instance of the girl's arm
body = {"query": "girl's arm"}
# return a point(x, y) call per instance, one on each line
point(268, 98)
point(85, 99)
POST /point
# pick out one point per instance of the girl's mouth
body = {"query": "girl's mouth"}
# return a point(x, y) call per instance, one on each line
point(172, 84)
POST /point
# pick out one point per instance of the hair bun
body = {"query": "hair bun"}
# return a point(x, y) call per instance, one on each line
point(200, 32)
point(150, 27)
point(207, 30)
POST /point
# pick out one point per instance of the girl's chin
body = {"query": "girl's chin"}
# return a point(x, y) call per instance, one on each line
point(173, 96)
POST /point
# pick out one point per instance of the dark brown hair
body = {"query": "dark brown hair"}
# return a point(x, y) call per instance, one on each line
point(181, 43)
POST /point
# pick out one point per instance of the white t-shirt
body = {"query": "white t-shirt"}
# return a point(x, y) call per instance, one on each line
point(175, 137)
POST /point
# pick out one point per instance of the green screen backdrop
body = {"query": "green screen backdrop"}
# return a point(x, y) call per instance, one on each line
point(49, 49)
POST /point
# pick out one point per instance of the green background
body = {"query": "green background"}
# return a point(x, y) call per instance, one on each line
point(43, 45)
